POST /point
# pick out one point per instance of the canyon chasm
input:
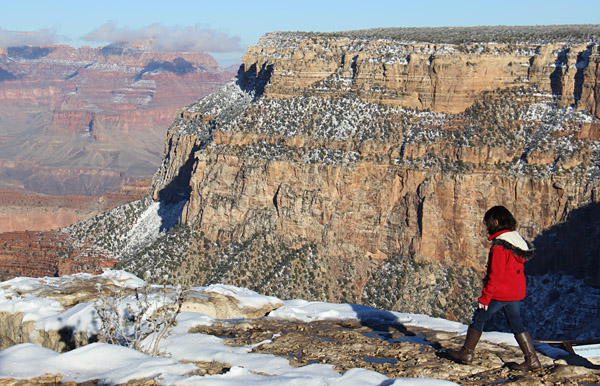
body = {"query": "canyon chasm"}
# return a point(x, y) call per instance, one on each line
point(76, 123)
point(89, 120)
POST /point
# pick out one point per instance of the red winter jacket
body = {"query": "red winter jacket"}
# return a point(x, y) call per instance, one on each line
point(505, 279)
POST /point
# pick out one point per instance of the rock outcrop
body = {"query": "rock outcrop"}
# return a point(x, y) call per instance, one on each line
point(80, 290)
point(323, 141)
point(440, 77)
point(380, 341)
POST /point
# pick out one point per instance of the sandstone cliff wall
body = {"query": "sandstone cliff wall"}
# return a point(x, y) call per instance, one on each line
point(367, 209)
point(376, 157)
point(440, 77)
point(372, 208)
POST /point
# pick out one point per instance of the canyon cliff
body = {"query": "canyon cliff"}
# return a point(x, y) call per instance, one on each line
point(376, 152)
point(357, 167)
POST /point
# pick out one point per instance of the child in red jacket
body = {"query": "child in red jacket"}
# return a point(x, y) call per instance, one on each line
point(504, 287)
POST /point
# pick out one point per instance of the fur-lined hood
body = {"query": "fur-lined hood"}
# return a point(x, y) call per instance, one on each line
point(514, 242)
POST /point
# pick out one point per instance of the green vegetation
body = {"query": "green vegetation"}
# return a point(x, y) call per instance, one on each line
point(402, 284)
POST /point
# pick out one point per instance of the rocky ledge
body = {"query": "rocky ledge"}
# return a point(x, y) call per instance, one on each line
point(392, 344)
point(352, 344)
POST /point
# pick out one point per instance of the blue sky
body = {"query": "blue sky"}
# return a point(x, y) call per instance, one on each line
point(227, 27)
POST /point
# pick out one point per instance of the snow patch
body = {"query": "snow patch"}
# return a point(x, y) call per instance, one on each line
point(157, 218)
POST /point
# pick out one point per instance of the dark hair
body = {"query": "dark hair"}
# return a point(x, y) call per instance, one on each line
point(498, 219)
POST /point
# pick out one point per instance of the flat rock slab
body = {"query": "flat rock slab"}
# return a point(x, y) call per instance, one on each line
point(396, 351)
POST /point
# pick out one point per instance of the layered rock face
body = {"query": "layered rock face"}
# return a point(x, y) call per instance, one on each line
point(440, 77)
point(378, 153)
point(86, 121)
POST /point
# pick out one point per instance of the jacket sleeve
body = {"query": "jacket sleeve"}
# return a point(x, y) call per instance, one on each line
point(497, 265)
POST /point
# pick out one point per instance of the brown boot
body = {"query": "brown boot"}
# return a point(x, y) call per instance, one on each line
point(465, 354)
point(531, 360)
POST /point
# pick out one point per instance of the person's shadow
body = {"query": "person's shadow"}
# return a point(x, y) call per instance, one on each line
point(386, 326)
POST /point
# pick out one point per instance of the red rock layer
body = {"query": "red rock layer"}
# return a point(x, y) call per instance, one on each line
point(21, 211)
point(37, 254)
point(93, 108)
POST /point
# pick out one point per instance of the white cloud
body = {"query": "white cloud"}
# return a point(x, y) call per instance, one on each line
point(161, 38)
point(20, 38)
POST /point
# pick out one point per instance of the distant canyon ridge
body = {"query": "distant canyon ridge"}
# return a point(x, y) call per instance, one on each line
point(87, 121)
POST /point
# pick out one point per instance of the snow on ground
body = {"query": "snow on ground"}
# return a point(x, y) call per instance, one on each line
point(301, 310)
point(158, 217)
point(116, 364)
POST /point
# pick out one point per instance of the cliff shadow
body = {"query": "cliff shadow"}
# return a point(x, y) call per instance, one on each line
point(563, 280)
point(572, 247)
point(176, 194)
point(556, 76)
point(254, 80)
point(581, 64)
